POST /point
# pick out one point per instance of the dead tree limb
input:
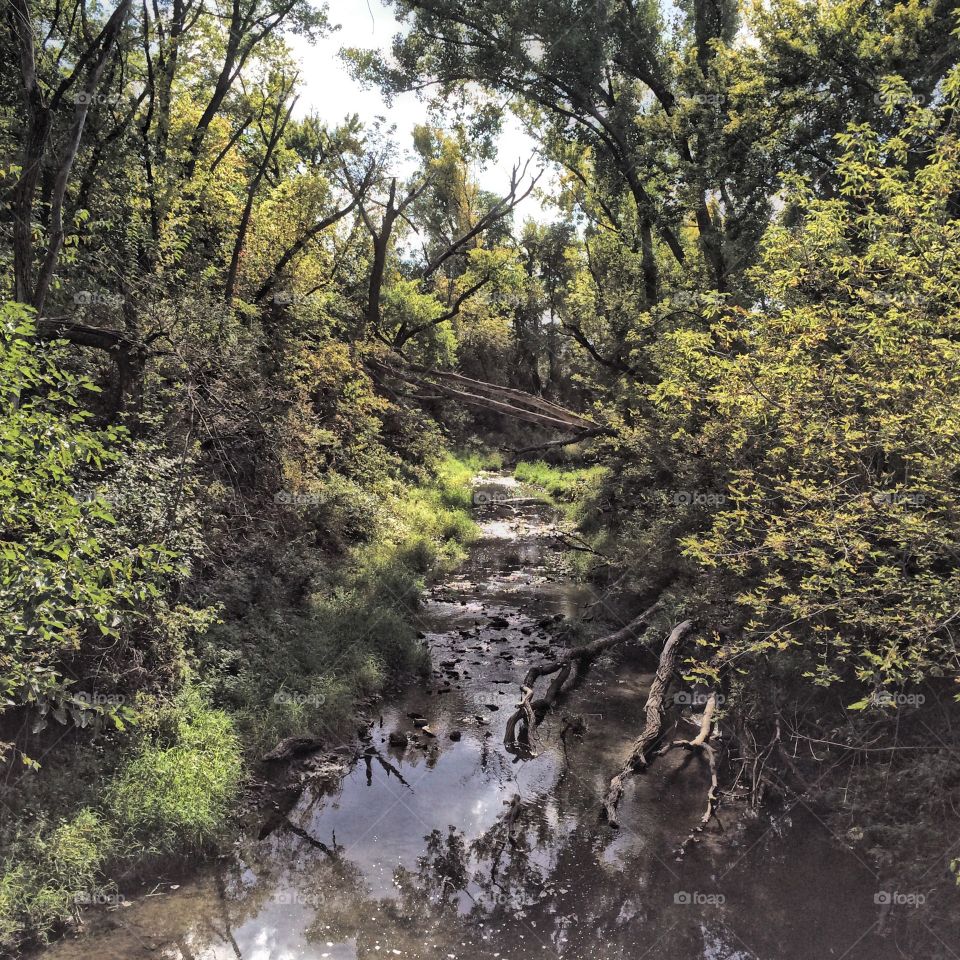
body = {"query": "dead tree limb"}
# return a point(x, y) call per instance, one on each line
point(529, 712)
point(701, 744)
point(654, 720)
point(564, 420)
point(563, 441)
point(511, 394)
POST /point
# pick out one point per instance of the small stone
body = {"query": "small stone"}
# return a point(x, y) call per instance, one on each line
point(455, 735)
point(398, 738)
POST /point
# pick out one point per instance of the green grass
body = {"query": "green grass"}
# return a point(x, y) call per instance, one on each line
point(178, 784)
point(293, 671)
point(168, 790)
point(48, 871)
point(568, 488)
point(576, 492)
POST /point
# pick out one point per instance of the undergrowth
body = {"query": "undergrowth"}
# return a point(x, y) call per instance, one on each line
point(270, 667)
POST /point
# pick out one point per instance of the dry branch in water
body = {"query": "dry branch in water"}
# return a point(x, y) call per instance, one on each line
point(530, 712)
point(654, 720)
point(701, 744)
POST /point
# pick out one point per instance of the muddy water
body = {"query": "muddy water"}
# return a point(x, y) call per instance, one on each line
point(451, 847)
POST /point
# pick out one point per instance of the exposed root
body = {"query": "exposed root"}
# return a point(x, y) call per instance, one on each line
point(529, 712)
point(654, 720)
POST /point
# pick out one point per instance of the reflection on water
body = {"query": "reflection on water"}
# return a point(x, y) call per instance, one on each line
point(450, 847)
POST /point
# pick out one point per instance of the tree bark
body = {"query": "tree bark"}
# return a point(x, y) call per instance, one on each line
point(530, 713)
point(654, 720)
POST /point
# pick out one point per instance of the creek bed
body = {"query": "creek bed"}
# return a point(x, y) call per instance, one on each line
point(451, 847)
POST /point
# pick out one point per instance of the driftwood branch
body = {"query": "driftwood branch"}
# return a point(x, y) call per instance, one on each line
point(701, 744)
point(653, 727)
point(529, 712)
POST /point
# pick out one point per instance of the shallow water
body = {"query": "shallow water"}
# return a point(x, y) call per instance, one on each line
point(456, 849)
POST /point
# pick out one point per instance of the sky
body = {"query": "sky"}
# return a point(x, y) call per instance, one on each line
point(328, 89)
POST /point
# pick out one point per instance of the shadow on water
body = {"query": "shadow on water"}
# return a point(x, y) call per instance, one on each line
point(450, 847)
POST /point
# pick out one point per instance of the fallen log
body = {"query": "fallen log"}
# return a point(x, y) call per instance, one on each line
point(529, 712)
point(291, 747)
point(653, 726)
point(506, 400)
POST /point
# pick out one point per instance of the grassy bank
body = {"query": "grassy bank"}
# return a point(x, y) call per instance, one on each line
point(576, 493)
point(165, 779)
point(572, 489)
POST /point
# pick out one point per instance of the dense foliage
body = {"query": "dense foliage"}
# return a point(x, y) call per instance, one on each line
point(238, 345)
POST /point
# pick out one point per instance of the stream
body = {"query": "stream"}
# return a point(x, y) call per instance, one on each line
point(451, 847)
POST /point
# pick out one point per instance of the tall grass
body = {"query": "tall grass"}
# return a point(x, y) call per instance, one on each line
point(569, 488)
